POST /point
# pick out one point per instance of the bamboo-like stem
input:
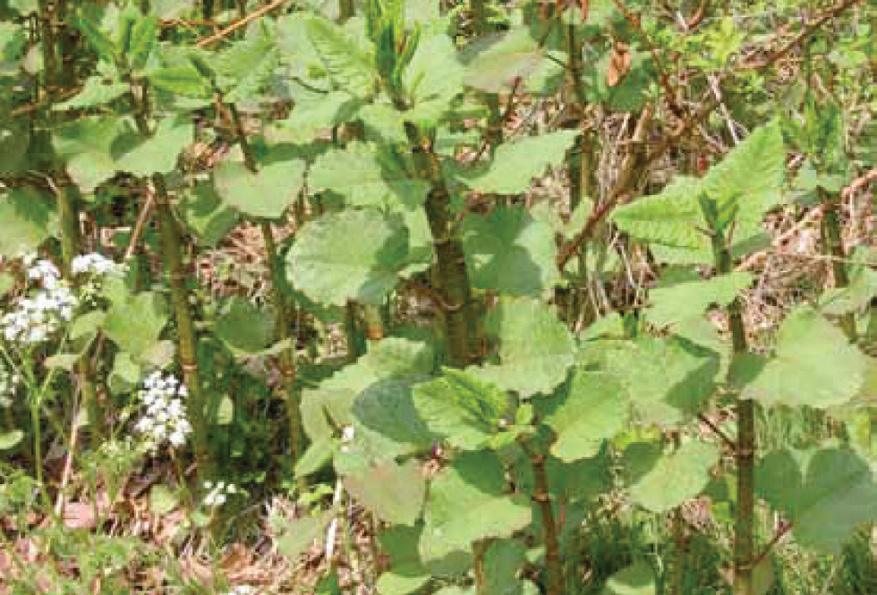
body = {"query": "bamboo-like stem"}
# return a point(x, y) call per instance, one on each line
point(187, 340)
point(373, 322)
point(286, 357)
point(454, 289)
point(831, 235)
point(744, 525)
point(542, 497)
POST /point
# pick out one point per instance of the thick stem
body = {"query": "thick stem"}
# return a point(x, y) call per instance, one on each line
point(373, 322)
point(553, 563)
point(831, 234)
point(346, 10)
point(287, 356)
point(454, 288)
point(744, 525)
point(187, 341)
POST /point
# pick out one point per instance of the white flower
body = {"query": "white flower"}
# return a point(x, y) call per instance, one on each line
point(164, 414)
point(9, 382)
point(243, 590)
point(94, 264)
point(37, 317)
point(217, 494)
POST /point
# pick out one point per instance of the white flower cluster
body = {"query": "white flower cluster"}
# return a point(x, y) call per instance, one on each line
point(37, 317)
point(9, 382)
point(94, 264)
point(218, 493)
point(164, 416)
point(243, 590)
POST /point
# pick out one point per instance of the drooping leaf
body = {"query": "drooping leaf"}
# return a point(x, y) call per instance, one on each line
point(243, 327)
point(182, 79)
point(295, 536)
point(352, 255)
point(466, 503)
point(28, 220)
point(95, 92)
point(264, 194)
point(366, 176)
point(136, 323)
point(660, 482)
point(159, 152)
point(206, 216)
point(461, 408)
point(87, 144)
point(667, 379)
point(10, 439)
point(387, 408)
point(857, 295)
point(142, 40)
point(508, 56)
point(813, 364)
point(244, 67)
point(510, 252)
point(535, 348)
point(393, 492)
point(502, 560)
point(516, 163)
point(593, 407)
point(673, 303)
point(826, 494)
point(406, 573)
point(637, 579)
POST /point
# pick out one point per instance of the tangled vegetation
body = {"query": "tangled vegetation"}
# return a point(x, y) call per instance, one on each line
point(485, 296)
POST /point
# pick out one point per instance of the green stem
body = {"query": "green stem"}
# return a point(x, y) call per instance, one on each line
point(744, 526)
point(453, 278)
point(542, 497)
point(287, 356)
point(356, 346)
point(831, 233)
point(187, 342)
point(281, 306)
point(373, 322)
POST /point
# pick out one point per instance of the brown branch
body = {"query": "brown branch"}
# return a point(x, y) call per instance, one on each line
point(718, 432)
point(784, 529)
point(749, 63)
point(258, 13)
point(698, 16)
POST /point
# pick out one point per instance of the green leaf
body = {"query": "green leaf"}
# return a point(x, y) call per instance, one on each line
point(158, 153)
point(94, 93)
point(432, 80)
point(28, 220)
point(327, 266)
point(856, 297)
point(136, 323)
point(661, 482)
point(637, 579)
point(536, 349)
point(97, 39)
point(826, 494)
point(297, 535)
point(593, 407)
point(314, 113)
point(265, 194)
point(206, 216)
point(126, 373)
point(509, 56)
point(674, 303)
point(667, 379)
point(814, 364)
point(407, 573)
point(466, 503)
point(10, 439)
point(243, 327)
point(463, 409)
point(393, 492)
point(244, 68)
point(162, 500)
point(387, 409)
point(502, 560)
point(510, 252)
point(516, 163)
point(87, 146)
point(366, 176)
point(7, 283)
point(348, 61)
point(747, 182)
point(143, 38)
point(183, 79)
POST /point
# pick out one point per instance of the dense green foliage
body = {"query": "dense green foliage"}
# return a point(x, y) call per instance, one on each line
point(534, 225)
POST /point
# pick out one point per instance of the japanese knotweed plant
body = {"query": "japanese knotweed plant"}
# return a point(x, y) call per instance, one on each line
point(480, 448)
